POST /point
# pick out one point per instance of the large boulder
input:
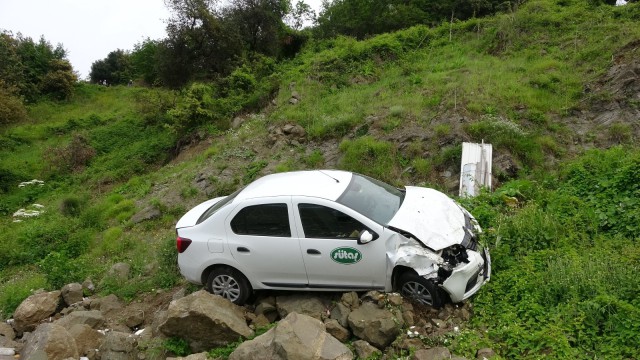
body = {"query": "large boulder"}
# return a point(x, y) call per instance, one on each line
point(106, 304)
point(92, 318)
point(34, 309)
point(301, 304)
point(87, 339)
point(205, 321)
point(50, 342)
point(377, 326)
point(72, 293)
point(296, 337)
point(364, 350)
point(436, 353)
point(118, 346)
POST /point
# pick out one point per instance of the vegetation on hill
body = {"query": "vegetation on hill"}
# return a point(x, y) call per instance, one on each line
point(542, 82)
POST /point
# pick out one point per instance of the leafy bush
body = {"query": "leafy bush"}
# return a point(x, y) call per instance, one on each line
point(61, 269)
point(71, 205)
point(73, 157)
point(11, 108)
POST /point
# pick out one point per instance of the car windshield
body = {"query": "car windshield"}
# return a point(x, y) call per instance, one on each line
point(372, 198)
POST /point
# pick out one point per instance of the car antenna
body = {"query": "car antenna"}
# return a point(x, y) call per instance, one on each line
point(338, 181)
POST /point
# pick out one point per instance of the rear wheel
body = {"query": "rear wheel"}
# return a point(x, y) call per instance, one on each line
point(230, 284)
point(419, 289)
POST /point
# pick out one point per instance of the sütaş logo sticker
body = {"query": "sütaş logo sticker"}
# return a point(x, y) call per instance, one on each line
point(346, 255)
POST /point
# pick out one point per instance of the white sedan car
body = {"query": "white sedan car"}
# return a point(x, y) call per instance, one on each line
point(331, 230)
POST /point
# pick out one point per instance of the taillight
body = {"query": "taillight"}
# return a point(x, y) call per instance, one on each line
point(182, 244)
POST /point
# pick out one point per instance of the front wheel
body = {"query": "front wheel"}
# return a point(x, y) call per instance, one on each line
point(230, 284)
point(419, 289)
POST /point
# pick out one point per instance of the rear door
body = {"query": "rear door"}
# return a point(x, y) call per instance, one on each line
point(329, 241)
point(262, 238)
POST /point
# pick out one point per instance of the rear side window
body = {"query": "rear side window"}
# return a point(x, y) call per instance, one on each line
point(217, 206)
point(326, 223)
point(262, 220)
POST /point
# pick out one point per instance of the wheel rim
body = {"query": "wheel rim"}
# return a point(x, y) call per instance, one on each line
point(417, 292)
point(226, 286)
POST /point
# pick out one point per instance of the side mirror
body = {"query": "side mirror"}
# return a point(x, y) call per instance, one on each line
point(365, 237)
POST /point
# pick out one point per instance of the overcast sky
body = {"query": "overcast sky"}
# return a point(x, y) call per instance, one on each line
point(89, 29)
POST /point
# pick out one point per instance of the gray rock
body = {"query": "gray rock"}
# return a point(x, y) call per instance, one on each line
point(298, 337)
point(205, 321)
point(86, 338)
point(437, 353)
point(364, 350)
point(34, 309)
point(92, 318)
point(337, 331)
point(118, 346)
point(440, 324)
point(135, 319)
point(72, 293)
point(50, 341)
point(88, 286)
point(267, 307)
point(148, 213)
point(120, 271)
point(351, 300)
point(198, 356)
point(7, 331)
point(301, 304)
point(394, 299)
point(106, 304)
point(379, 327)
point(485, 353)
point(340, 312)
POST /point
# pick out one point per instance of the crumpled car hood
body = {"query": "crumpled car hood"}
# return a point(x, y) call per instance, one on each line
point(432, 217)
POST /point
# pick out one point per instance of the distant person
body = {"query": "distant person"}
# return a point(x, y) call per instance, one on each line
point(130, 83)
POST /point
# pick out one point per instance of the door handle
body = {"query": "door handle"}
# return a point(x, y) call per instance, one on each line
point(313, 252)
point(242, 249)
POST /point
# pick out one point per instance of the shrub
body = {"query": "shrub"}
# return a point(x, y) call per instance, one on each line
point(12, 109)
point(73, 157)
point(60, 269)
point(71, 205)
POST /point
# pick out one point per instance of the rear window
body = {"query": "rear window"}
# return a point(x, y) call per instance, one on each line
point(262, 220)
point(217, 206)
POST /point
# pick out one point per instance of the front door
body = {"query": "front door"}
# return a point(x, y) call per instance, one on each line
point(329, 243)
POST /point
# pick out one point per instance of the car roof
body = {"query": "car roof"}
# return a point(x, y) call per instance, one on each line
point(327, 184)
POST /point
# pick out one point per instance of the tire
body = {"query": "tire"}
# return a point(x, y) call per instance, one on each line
point(230, 284)
point(420, 290)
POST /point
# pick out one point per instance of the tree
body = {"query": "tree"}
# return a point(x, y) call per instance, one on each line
point(143, 61)
point(58, 82)
point(116, 68)
point(200, 43)
point(260, 22)
point(29, 69)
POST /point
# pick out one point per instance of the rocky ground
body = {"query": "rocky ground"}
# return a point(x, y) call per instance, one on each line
point(67, 324)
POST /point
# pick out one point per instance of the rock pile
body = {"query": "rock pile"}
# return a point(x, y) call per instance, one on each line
point(65, 325)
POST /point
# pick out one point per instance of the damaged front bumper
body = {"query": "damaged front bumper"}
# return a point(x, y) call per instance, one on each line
point(467, 278)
